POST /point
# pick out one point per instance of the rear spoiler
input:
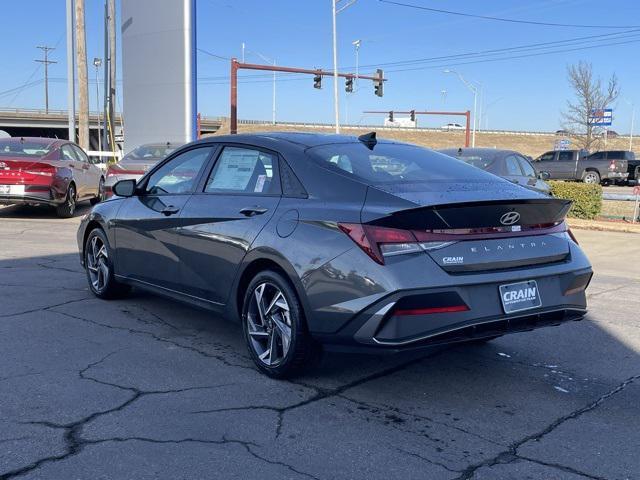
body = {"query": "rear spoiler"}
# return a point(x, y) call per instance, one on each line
point(486, 213)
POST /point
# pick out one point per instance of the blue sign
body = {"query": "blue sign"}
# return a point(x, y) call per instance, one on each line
point(601, 117)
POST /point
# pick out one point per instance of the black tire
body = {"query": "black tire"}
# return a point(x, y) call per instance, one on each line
point(68, 208)
point(591, 177)
point(302, 353)
point(100, 197)
point(109, 287)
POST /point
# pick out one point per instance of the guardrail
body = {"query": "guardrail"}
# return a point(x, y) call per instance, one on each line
point(393, 128)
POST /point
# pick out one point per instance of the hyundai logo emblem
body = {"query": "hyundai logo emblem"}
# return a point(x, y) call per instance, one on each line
point(510, 218)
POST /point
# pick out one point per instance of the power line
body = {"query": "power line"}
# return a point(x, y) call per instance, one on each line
point(531, 46)
point(500, 19)
point(487, 60)
point(214, 55)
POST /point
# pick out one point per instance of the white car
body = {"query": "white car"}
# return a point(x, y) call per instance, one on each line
point(452, 126)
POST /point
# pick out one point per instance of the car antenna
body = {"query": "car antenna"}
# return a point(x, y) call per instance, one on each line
point(369, 139)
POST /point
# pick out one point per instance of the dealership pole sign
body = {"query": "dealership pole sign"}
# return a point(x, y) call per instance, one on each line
point(601, 117)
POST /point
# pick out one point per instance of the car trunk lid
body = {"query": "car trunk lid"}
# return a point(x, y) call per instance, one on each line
point(463, 235)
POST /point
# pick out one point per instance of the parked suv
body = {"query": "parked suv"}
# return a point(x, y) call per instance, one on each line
point(579, 165)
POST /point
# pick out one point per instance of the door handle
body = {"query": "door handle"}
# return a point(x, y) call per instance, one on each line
point(251, 211)
point(170, 210)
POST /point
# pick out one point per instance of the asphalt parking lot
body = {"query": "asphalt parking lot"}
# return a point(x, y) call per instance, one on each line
point(147, 388)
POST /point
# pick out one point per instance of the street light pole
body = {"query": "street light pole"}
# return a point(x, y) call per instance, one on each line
point(97, 62)
point(335, 68)
point(474, 90)
point(71, 89)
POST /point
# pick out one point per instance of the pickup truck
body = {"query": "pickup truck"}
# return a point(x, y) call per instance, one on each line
point(579, 165)
point(633, 163)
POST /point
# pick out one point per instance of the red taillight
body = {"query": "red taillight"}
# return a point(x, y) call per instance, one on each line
point(44, 170)
point(378, 242)
point(431, 310)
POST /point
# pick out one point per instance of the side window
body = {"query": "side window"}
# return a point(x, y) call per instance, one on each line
point(80, 154)
point(597, 156)
point(527, 168)
point(547, 157)
point(179, 174)
point(67, 153)
point(565, 156)
point(244, 170)
point(512, 166)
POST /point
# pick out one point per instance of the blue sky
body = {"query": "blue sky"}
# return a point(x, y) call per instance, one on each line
point(519, 93)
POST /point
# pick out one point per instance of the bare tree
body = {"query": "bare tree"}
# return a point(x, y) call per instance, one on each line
point(83, 81)
point(590, 95)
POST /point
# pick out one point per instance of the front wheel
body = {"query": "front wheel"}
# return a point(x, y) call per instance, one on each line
point(591, 177)
point(274, 327)
point(98, 262)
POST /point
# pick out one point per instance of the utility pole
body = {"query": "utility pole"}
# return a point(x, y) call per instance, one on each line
point(112, 72)
point(46, 63)
point(71, 87)
point(83, 81)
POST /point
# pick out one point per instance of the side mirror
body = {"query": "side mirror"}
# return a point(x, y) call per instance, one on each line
point(544, 176)
point(125, 188)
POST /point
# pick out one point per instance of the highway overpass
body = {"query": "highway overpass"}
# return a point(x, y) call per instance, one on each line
point(38, 123)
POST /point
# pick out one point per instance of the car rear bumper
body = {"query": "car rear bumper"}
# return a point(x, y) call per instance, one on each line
point(616, 175)
point(33, 198)
point(379, 327)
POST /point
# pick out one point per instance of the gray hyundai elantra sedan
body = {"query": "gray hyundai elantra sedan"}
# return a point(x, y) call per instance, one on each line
point(319, 242)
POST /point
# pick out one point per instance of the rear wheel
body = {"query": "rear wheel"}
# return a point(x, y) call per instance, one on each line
point(98, 262)
point(100, 197)
point(68, 208)
point(591, 177)
point(274, 327)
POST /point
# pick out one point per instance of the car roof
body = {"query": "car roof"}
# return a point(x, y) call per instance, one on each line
point(301, 139)
point(41, 140)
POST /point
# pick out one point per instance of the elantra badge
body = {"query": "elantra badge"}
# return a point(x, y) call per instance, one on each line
point(510, 218)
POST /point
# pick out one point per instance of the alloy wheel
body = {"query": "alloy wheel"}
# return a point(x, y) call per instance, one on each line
point(590, 177)
point(97, 263)
point(269, 324)
point(71, 200)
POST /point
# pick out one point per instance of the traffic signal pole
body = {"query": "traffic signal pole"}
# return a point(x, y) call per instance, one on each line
point(378, 79)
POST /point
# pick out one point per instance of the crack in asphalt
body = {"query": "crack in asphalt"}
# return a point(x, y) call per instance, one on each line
point(41, 309)
point(425, 459)
point(397, 411)
point(161, 339)
point(74, 443)
point(511, 453)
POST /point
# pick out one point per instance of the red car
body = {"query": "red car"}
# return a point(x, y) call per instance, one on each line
point(47, 171)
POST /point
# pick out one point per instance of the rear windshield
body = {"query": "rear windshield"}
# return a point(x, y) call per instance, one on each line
point(149, 152)
point(14, 146)
point(393, 163)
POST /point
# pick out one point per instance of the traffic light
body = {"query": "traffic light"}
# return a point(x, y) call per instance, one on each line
point(317, 81)
point(391, 116)
point(348, 85)
point(412, 114)
point(378, 83)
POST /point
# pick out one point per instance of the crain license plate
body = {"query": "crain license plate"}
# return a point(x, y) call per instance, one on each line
point(520, 296)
